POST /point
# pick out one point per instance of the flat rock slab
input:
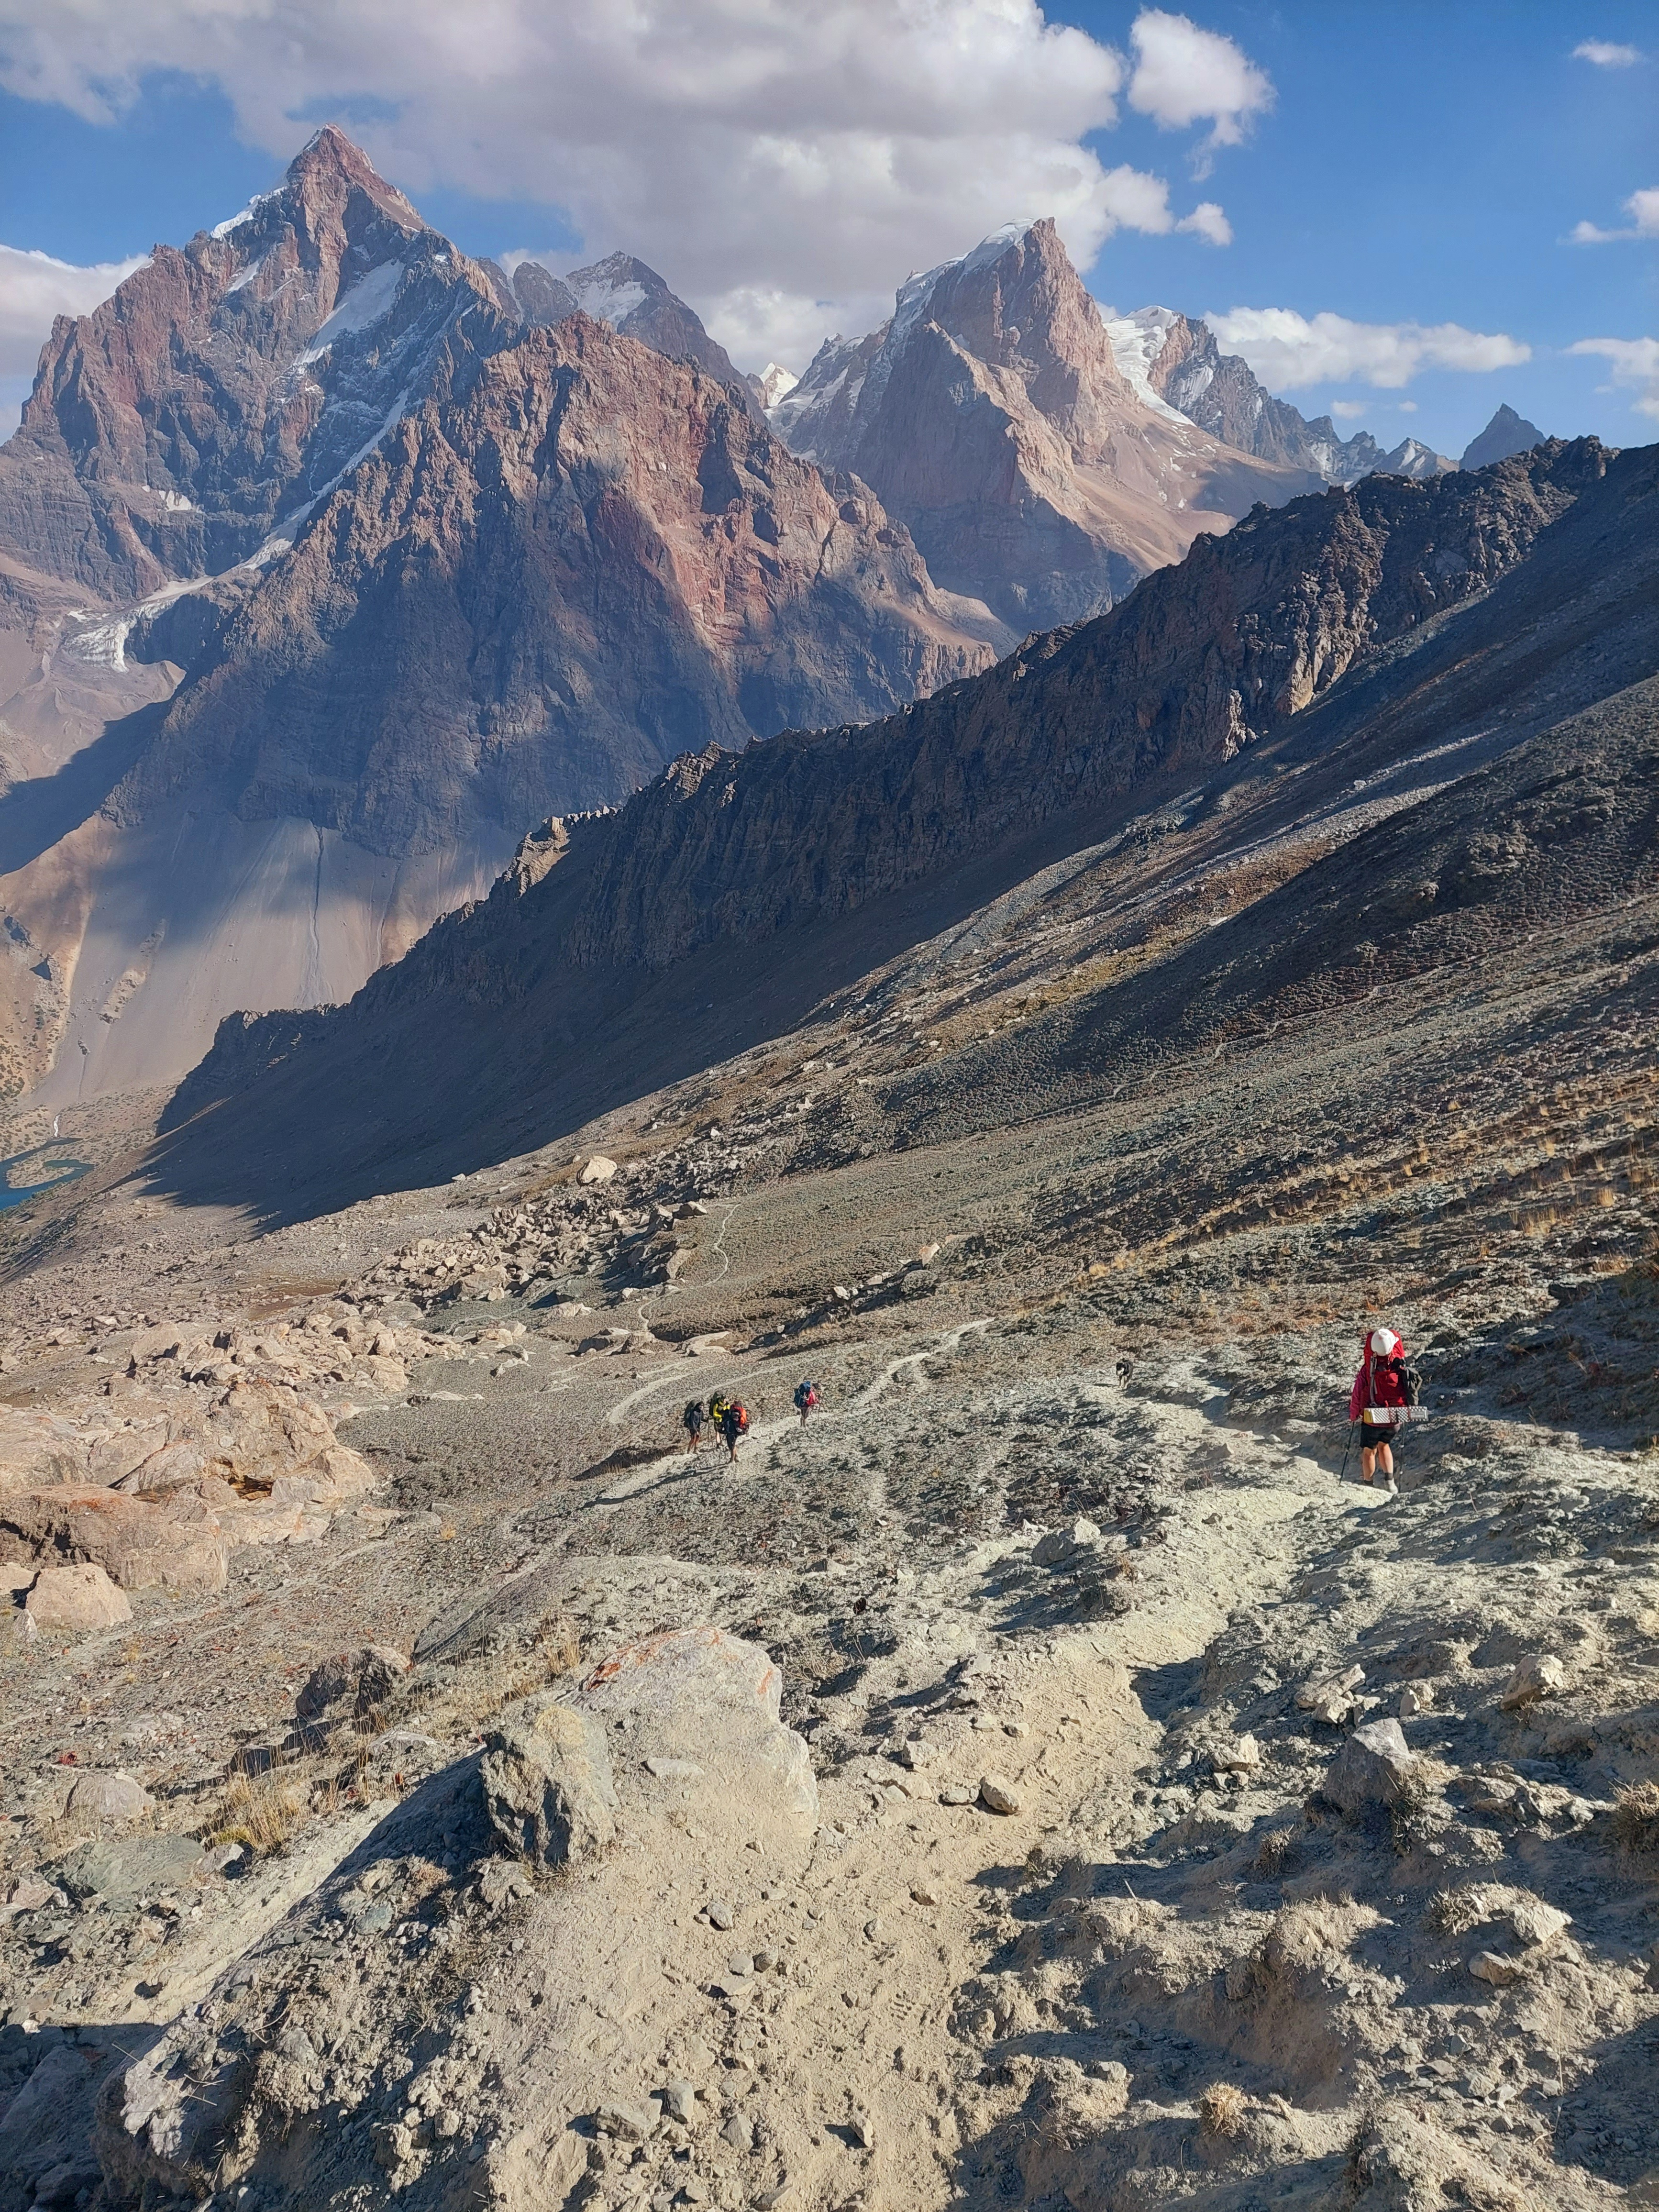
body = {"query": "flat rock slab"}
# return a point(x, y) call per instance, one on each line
point(78, 1598)
point(136, 1866)
point(698, 1696)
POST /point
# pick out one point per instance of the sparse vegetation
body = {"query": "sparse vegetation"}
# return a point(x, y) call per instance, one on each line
point(1636, 1818)
point(262, 1811)
point(1222, 2110)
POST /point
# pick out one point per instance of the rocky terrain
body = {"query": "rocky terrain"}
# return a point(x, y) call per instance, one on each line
point(1046, 1775)
point(1038, 1778)
point(330, 559)
point(990, 414)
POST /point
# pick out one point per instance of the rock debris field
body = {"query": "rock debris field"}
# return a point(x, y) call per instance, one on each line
point(1036, 1780)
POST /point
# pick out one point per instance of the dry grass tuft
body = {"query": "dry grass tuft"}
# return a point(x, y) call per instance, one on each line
point(1276, 1853)
point(262, 1810)
point(1454, 1911)
point(1222, 2108)
point(1636, 1818)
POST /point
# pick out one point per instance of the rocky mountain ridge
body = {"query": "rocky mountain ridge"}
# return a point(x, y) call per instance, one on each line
point(991, 416)
point(1176, 360)
point(1383, 621)
point(615, 560)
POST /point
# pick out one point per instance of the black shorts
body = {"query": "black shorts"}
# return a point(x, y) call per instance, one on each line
point(1373, 1435)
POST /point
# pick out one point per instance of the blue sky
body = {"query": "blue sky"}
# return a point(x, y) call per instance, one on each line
point(1417, 166)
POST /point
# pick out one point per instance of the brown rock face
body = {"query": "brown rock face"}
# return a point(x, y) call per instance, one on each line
point(137, 1544)
point(536, 593)
point(226, 384)
point(421, 605)
point(990, 414)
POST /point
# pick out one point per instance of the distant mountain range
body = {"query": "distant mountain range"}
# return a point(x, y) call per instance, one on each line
point(331, 558)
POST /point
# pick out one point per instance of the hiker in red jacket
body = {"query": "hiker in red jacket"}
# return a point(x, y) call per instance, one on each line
point(1376, 1399)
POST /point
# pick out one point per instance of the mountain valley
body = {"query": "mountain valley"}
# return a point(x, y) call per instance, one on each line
point(546, 879)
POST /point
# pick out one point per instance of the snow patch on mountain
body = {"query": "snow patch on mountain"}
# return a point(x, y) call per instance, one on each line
point(234, 223)
point(1137, 340)
point(605, 302)
point(776, 382)
point(367, 300)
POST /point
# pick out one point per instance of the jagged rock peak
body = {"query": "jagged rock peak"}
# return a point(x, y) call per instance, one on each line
point(990, 414)
point(325, 170)
point(1412, 457)
point(1014, 302)
point(1017, 302)
point(1174, 364)
point(628, 295)
point(1507, 433)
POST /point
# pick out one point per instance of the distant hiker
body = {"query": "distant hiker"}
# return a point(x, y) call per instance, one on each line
point(692, 1420)
point(717, 1408)
point(807, 1397)
point(734, 1424)
point(1377, 1401)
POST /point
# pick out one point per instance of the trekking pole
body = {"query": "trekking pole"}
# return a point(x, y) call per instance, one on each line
point(1346, 1449)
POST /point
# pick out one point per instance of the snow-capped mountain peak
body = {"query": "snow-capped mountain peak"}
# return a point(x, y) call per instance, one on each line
point(776, 382)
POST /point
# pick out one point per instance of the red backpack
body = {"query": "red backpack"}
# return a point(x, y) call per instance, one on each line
point(742, 1412)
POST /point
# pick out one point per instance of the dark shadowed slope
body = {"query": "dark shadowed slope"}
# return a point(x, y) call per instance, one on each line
point(1330, 641)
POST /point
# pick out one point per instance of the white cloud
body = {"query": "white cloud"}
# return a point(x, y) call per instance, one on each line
point(1184, 75)
point(1642, 208)
point(1348, 410)
point(1288, 350)
point(33, 288)
point(1135, 201)
point(1409, 407)
point(1606, 56)
point(785, 167)
point(1635, 367)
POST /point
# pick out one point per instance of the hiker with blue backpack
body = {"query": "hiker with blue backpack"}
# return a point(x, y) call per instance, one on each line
point(807, 1397)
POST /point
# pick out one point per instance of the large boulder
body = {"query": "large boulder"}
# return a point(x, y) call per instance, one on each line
point(112, 1798)
point(1540, 1675)
point(135, 1543)
point(79, 1598)
point(547, 1785)
point(262, 1439)
point(713, 1701)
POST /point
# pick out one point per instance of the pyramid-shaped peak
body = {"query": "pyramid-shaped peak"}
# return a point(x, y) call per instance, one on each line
point(1016, 300)
point(1506, 433)
point(328, 167)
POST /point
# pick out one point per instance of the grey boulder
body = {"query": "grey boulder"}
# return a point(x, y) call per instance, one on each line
point(547, 1785)
point(1370, 1771)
